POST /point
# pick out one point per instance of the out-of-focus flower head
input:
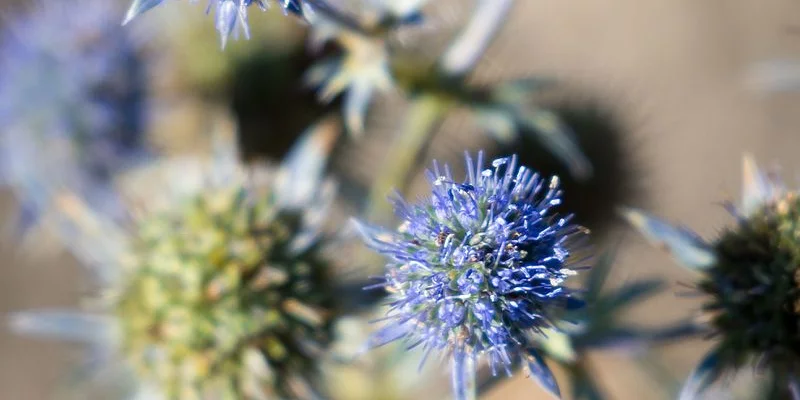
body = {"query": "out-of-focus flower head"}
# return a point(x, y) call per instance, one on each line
point(230, 16)
point(220, 286)
point(479, 269)
point(73, 100)
point(365, 65)
point(752, 279)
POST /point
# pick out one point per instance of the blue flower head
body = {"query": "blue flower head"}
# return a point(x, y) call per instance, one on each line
point(73, 99)
point(479, 268)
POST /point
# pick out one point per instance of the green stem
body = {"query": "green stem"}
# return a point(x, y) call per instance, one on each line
point(405, 154)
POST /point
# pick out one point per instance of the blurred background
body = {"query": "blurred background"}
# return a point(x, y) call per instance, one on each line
point(658, 91)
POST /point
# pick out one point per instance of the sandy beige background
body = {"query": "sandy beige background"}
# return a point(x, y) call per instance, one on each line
point(678, 70)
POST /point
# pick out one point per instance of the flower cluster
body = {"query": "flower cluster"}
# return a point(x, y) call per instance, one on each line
point(479, 268)
point(216, 279)
point(751, 277)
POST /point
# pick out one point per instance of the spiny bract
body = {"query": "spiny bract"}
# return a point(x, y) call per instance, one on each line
point(479, 268)
point(228, 13)
point(751, 275)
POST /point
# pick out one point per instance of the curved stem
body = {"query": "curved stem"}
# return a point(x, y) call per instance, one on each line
point(405, 153)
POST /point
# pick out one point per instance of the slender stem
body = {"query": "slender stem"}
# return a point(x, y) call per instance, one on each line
point(424, 116)
point(463, 377)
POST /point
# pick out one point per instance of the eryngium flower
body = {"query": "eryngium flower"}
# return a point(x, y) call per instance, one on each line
point(229, 13)
point(479, 268)
point(216, 285)
point(73, 99)
point(751, 275)
point(220, 291)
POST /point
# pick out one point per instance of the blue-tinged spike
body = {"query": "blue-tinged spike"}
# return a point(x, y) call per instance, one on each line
point(684, 245)
point(62, 325)
point(303, 169)
point(701, 377)
point(541, 373)
point(629, 293)
point(139, 7)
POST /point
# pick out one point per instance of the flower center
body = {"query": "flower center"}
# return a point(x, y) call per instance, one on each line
point(755, 285)
point(215, 296)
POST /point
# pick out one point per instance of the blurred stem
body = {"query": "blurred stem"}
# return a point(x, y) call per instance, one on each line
point(405, 153)
point(464, 376)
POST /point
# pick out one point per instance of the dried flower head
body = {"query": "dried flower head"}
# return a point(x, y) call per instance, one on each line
point(73, 102)
point(479, 268)
point(750, 274)
point(220, 287)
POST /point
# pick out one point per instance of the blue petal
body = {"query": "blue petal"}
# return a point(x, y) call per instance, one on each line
point(139, 7)
point(541, 372)
point(702, 376)
point(684, 245)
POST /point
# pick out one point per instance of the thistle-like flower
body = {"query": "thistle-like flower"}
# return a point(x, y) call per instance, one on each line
point(220, 287)
point(478, 269)
point(752, 279)
point(74, 100)
point(229, 14)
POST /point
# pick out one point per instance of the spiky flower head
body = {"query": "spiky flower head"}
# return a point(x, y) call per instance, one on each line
point(752, 279)
point(230, 15)
point(73, 100)
point(220, 288)
point(479, 268)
